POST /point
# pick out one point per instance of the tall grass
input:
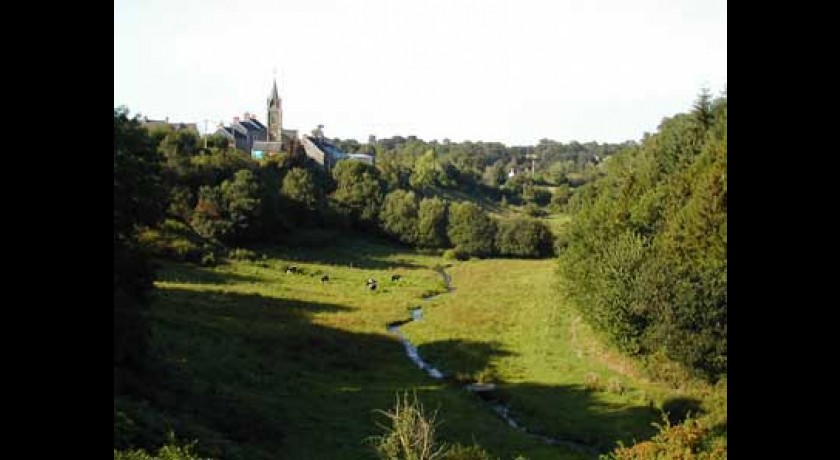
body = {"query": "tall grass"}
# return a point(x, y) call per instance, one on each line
point(411, 433)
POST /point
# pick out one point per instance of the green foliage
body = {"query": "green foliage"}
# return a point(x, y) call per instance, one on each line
point(471, 229)
point(172, 450)
point(138, 201)
point(230, 212)
point(242, 254)
point(399, 216)
point(689, 440)
point(646, 252)
point(242, 205)
point(524, 238)
point(358, 191)
point(299, 187)
point(533, 210)
point(456, 254)
point(432, 220)
point(208, 217)
point(172, 240)
point(461, 452)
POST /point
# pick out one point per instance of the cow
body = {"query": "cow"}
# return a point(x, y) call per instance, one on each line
point(395, 277)
point(325, 278)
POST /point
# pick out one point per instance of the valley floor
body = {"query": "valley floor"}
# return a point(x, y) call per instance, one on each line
point(264, 364)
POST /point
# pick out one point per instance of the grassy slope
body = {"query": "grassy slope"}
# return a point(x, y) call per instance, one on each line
point(268, 365)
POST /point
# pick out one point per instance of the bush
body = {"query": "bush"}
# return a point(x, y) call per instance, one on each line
point(456, 254)
point(471, 229)
point(687, 441)
point(242, 254)
point(524, 238)
point(411, 434)
point(169, 451)
point(461, 452)
point(208, 259)
point(534, 211)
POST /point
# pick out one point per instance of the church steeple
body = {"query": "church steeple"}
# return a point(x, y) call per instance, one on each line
point(275, 114)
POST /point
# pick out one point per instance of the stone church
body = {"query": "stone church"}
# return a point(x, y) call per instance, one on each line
point(249, 135)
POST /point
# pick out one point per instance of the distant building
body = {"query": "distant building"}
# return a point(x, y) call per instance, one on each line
point(152, 124)
point(328, 155)
point(249, 135)
point(512, 173)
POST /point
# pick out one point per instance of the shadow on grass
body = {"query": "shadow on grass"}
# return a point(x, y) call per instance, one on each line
point(195, 274)
point(462, 356)
point(678, 409)
point(252, 377)
point(573, 413)
point(350, 250)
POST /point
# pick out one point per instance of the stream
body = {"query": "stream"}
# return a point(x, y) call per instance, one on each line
point(498, 408)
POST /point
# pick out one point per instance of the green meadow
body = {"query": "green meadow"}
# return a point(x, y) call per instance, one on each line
point(260, 363)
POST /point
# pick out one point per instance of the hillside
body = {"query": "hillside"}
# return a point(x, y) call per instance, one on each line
point(264, 364)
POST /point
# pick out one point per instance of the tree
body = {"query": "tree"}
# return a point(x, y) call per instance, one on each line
point(645, 256)
point(241, 198)
point(524, 238)
point(426, 172)
point(471, 229)
point(299, 187)
point(431, 223)
point(399, 216)
point(358, 191)
point(208, 217)
point(139, 199)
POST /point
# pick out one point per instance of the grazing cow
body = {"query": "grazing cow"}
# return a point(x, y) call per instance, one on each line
point(372, 286)
point(370, 281)
point(395, 277)
point(325, 278)
point(293, 269)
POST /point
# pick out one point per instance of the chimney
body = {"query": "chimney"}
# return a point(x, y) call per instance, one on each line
point(236, 119)
point(167, 119)
point(246, 116)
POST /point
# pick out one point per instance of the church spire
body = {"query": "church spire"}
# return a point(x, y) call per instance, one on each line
point(275, 113)
point(274, 97)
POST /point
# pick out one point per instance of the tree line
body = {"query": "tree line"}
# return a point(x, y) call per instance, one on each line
point(645, 255)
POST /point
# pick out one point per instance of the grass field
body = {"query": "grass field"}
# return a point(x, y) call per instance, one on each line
point(264, 364)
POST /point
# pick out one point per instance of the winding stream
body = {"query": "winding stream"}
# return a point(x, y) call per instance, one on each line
point(498, 408)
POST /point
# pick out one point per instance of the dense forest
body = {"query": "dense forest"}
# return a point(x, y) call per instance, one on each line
point(645, 256)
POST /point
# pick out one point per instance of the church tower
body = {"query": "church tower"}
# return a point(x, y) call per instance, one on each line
point(275, 115)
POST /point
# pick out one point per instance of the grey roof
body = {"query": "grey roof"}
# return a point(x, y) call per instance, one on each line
point(267, 146)
point(257, 122)
point(251, 126)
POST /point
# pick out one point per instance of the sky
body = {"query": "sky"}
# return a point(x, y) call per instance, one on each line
point(510, 71)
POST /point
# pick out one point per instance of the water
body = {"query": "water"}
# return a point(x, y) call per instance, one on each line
point(499, 409)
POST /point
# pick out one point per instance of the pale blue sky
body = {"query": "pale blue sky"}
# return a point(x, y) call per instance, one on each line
point(512, 71)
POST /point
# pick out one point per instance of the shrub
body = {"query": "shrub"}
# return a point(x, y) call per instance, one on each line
point(524, 238)
point(534, 211)
point(687, 441)
point(169, 451)
point(208, 259)
point(471, 229)
point(461, 452)
point(411, 434)
point(242, 254)
point(456, 254)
